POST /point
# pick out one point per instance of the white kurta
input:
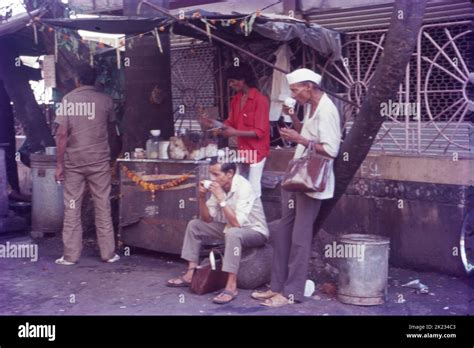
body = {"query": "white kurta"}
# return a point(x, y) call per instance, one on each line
point(322, 127)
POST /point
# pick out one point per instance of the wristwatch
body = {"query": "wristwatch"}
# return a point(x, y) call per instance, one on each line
point(222, 204)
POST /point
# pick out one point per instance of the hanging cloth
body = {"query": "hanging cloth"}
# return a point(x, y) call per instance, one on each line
point(280, 88)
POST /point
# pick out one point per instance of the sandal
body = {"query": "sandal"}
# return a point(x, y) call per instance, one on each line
point(178, 283)
point(263, 295)
point(276, 301)
point(113, 259)
point(62, 261)
point(232, 296)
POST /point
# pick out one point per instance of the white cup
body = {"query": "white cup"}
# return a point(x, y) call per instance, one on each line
point(289, 102)
point(206, 184)
point(50, 150)
point(309, 288)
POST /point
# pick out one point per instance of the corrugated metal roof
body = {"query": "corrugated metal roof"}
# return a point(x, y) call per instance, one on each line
point(95, 6)
point(378, 16)
point(428, 142)
point(178, 41)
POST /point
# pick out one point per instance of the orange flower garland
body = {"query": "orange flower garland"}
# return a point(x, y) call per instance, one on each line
point(154, 187)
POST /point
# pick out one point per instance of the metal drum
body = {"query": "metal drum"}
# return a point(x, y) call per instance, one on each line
point(47, 200)
point(363, 280)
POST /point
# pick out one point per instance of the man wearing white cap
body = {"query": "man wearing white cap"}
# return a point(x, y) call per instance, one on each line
point(294, 234)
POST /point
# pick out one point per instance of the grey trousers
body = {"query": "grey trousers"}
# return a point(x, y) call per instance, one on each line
point(235, 240)
point(292, 239)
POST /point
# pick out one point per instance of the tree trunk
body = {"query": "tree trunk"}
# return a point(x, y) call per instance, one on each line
point(401, 41)
point(16, 79)
point(16, 82)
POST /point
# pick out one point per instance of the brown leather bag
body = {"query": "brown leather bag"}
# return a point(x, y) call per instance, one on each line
point(205, 279)
point(309, 173)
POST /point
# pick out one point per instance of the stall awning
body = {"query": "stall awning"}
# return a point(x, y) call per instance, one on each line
point(325, 41)
point(17, 22)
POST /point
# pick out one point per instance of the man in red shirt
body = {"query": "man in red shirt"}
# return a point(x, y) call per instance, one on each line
point(248, 121)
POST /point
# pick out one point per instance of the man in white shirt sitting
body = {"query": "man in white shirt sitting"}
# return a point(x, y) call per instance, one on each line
point(233, 213)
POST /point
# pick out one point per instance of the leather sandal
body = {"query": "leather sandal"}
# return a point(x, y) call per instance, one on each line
point(181, 282)
point(225, 292)
point(178, 283)
point(276, 301)
point(263, 295)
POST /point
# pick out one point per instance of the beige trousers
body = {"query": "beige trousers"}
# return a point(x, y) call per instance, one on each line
point(98, 177)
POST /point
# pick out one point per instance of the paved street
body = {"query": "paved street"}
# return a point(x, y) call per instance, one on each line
point(135, 286)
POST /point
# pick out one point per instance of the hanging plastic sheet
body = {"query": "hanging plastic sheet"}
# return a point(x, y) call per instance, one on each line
point(325, 41)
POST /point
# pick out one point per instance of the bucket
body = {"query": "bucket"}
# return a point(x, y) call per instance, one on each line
point(363, 280)
point(47, 211)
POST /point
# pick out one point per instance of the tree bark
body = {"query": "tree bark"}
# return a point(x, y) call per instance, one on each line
point(401, 41)
point(16, 82)
point(16, 79)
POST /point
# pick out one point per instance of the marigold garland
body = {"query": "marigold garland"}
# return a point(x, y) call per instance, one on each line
point(155, 187)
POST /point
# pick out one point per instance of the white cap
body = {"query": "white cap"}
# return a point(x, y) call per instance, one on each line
point(155, 132)
point(301, 75)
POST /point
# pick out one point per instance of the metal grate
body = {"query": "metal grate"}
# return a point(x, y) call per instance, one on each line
point(444, 63)
point(436, 81)
point(378, 16)
point(393, 136)
point(192, 80)
point(443, 122)
point(195, 74)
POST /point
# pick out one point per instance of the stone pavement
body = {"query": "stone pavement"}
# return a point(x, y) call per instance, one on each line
point(135, 286)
